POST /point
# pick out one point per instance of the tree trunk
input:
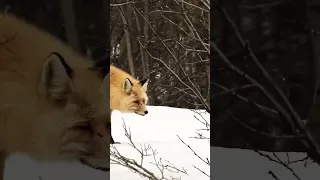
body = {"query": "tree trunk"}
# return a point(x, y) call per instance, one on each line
point(142, 51)
point(128, 41)
point(146, 33)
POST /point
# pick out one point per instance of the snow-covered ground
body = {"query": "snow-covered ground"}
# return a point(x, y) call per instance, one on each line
point(159, 129)
point(235, 164)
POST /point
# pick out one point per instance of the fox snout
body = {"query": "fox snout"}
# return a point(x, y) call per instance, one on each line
point(142, 113)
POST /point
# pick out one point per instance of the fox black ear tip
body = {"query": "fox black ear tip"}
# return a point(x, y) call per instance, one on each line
point(143, 81)
point(128, 80)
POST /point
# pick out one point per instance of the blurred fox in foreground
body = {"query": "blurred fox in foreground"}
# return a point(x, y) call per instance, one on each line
point(127, 94)
point(53, 102)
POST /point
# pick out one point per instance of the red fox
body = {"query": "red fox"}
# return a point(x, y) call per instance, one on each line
point(127, 94)
point(53, 102)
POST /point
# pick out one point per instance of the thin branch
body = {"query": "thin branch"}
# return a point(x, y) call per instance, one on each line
point(292, 118)
point(122, 4)
point(207, 161)
point(266, 5)
point(279, 162)
point(193, 88)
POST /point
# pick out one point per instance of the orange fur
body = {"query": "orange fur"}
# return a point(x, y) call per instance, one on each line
point(134, 100)
point(64, 121)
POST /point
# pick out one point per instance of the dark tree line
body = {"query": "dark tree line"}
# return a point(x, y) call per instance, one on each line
point(82, 24)
point(166, 41)
point(265, 60)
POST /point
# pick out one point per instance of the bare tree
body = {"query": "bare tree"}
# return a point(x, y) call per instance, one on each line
point(163, 166)
point(169, 40)
point(255, 84)
point(128, 40)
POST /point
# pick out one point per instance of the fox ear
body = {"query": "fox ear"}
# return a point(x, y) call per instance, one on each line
point(55, 82)
point(144, 84)
point(127, 86)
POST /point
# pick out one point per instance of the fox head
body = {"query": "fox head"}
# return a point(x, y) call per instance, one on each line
point(135, 96)
point(77, 115)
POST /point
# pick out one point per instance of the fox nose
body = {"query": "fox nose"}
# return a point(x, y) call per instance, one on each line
point(145, 112)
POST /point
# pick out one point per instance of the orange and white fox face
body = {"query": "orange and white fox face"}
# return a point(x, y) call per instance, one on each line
point(77, 99)
point(135, 97)
point(53, 106)
point(127, 94)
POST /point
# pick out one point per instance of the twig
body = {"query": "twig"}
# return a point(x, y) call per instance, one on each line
point(122, 4)
point(273, 175)
point(279, 162)
point(293, 118)
point(133, 165)
point(263, 133)
point(207, 161)
point(233, 90)
point(193, 88)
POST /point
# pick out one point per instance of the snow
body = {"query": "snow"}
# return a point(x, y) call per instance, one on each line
point(246, 164)
point(159, 129)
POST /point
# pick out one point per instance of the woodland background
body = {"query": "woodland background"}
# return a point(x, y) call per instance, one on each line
point(167, 41)
point(265, 63)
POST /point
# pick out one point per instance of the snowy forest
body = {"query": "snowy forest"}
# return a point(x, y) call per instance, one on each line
point(266, 75)
point(156, 39)
point(166, 41)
